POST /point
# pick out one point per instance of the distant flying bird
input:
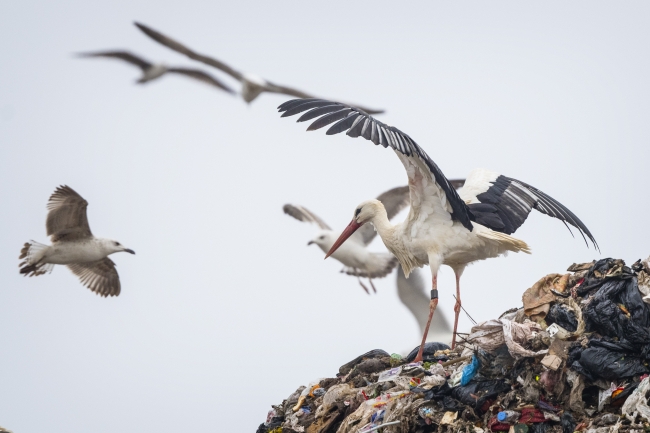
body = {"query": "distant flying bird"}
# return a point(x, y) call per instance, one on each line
point(444, 227)
point(151, 71)
point(73, 245)
point(413, 294)
point(252, 85)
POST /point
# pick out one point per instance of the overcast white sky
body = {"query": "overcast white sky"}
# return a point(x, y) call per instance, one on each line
point(225, 310)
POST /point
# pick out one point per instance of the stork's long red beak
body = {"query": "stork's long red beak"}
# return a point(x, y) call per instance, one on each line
point(349, 230)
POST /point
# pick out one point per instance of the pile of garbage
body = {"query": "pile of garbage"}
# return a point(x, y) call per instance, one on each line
point(575, 357)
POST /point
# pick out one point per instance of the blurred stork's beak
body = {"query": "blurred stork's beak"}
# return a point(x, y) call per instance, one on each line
point(349, 231)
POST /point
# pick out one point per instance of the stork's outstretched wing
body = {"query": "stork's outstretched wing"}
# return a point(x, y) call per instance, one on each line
point(495, 201)
point(432, 194)
point(503, 204)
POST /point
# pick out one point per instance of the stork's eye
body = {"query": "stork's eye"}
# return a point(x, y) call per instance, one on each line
point(357, 212)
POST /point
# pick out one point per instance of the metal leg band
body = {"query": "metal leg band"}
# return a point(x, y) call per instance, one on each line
point(434, 294)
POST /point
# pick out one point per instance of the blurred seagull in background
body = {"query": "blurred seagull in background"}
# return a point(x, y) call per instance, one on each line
point(443, 227)
point(252, 85)
point(73, 245)
point(354, 255)
point(151, 71)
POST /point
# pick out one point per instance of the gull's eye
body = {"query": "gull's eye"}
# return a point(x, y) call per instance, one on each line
point(322, 237)
point(117, 244)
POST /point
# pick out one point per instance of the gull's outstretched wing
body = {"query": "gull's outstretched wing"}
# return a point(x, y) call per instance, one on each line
point(178, 47)
point(67, 219)
point(101, 276)
point(197, 74)
point(122, 55)
point(305, 215)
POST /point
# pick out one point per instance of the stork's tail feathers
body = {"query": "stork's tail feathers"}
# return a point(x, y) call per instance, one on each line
point(31, 253)
point(509, 242)
point(381, 265)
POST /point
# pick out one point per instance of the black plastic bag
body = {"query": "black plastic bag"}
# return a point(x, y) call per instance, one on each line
point(375, 353)
point(618, 311)
point(435, 393)
point(476, 393)
point(602, 362)
point(542, 427)
point(450, 405)
point(563, 316)
point(429, 350)
point(568, 423)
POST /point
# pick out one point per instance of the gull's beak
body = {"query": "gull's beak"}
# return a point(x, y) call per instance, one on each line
point(310, 242)
point(349, 231)
point(126, 250)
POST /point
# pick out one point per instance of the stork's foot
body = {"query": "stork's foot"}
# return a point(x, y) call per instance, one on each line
point(372, 285)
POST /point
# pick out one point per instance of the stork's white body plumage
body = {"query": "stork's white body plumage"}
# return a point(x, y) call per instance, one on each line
point(443, 226)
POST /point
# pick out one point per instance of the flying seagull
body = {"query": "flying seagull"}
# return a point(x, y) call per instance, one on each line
point(354, 255)
point(151, 71)
point(73, 245)
point(252, 85)
point(444, 227)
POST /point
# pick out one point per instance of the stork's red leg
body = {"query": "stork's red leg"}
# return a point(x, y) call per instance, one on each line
point(457, 308)
point(372, 285)
point(432, 308)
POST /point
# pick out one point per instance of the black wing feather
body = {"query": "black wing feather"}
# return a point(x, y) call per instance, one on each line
point(506, 204)
point(379, 133)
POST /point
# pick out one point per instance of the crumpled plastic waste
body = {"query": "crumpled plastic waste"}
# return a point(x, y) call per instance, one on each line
point(492, 334)
point(637, 402)
point(470, 370)
point(575, 357)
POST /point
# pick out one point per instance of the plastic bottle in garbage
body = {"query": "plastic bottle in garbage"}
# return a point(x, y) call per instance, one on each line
point(508, 416)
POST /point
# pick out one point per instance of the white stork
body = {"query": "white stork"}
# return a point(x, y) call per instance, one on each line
point(252, 85)
point(152, 71)
point(443, 227)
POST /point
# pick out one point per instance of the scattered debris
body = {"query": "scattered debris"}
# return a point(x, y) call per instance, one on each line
point(575, 357)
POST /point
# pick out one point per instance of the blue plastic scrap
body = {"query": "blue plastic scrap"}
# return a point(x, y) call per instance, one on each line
point(470, 371)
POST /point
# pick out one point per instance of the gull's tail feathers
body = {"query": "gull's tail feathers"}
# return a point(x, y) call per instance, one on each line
point(31, 255)
point(509, 242)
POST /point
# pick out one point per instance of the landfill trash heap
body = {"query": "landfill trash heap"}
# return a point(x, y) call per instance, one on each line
point(573, 358)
